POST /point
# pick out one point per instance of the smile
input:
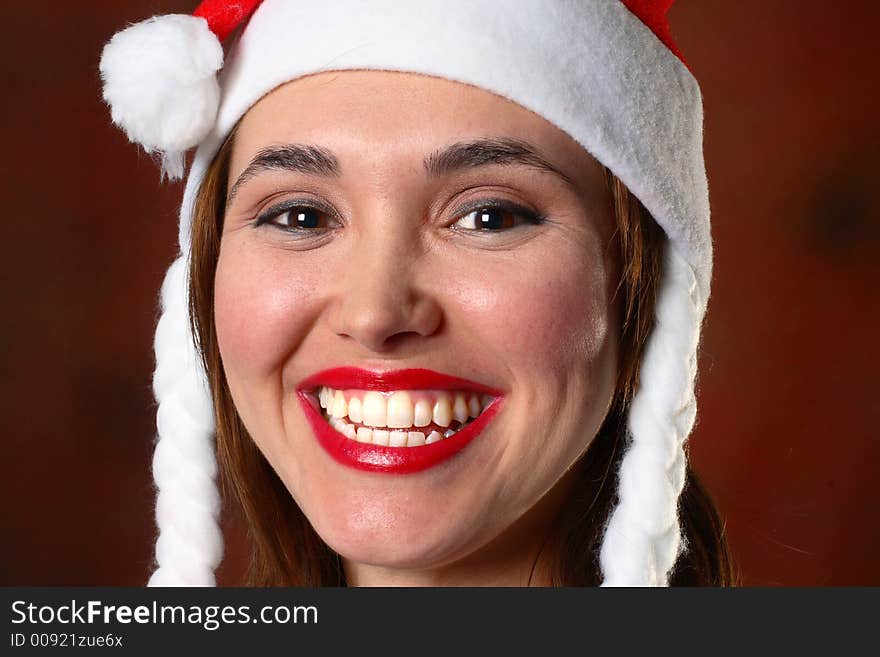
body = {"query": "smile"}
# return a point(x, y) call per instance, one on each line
point(397, 422)
point(400, 418)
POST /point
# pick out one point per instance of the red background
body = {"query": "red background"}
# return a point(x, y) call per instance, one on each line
point(787, 439)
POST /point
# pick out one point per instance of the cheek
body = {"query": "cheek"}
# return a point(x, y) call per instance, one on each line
point(548, 326)
point(541, 313)
point(261, 311)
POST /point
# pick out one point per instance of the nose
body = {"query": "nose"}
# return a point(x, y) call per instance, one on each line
point(384, 298)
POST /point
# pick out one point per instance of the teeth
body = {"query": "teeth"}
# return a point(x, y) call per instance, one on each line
point(460, 409)
point(400, 410)
point(340, 408)
point(443, 411)
point(390, 418)
point(324, 397)
point(355, 410)
point(398, 439)
point(433, 437)
point(474, 408)
point(375, 410)
point(422, 413)
point(343, 427)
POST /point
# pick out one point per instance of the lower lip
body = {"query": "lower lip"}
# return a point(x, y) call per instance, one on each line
point(392, 460)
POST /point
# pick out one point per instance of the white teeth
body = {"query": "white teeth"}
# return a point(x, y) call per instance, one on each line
point(374, 409)
point(397, 439)
point(385, 437)
point(443, 411)
point(390, 416)
point(325, 397)
point(355, 410)
point(433, 437)
point(400, 410)
point(340, 408)
point(460, 408)
point(422, 413)
point(474, 407)
point(344, 428)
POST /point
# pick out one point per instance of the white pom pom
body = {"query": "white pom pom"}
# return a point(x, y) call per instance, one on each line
point(160, 82)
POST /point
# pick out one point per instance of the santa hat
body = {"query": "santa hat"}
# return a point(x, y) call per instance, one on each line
point(604, 71)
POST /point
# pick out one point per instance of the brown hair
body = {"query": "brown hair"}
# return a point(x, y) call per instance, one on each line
point(285, 549)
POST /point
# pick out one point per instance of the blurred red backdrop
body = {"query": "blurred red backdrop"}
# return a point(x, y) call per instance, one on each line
point(787, 437)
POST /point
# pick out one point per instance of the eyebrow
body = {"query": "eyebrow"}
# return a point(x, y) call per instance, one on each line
point(314, 160)
point(304, 158)
point(482, 152)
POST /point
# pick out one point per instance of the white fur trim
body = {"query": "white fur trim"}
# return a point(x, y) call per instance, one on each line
point(160, 82)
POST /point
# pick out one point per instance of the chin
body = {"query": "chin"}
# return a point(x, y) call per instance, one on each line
point(394, 535)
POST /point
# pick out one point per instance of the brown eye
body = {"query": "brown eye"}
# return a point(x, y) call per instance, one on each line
point(297, 217)
point(496, 218)
point(300, 217)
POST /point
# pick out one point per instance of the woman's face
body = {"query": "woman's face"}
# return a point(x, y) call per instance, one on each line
point(388, 221)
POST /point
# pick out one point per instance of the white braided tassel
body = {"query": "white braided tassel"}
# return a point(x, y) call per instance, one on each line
point(190, 545)
point(643, 539)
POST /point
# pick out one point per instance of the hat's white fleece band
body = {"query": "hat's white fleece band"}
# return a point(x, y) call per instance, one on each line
point(590, 67)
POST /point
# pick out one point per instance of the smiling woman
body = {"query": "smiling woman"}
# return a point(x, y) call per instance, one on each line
point(436, 326)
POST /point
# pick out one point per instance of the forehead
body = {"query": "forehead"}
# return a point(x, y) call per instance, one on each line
point(391, 117)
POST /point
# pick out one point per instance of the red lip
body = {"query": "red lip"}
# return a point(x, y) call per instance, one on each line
point(392, 460)
point(411, 379)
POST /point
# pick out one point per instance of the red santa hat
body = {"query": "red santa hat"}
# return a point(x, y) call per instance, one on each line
point(606, 72)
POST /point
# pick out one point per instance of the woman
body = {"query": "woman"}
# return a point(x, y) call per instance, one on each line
point(424, 282)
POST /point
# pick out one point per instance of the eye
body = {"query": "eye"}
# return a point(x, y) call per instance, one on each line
point(496, 218)
point(296, 216)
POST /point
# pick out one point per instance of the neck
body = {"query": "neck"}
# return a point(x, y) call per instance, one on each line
point(503, 570)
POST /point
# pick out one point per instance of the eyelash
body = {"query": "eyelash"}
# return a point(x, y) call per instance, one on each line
point(497, 205)
point(272, 213)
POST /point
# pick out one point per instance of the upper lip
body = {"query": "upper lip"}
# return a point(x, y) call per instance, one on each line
point(388, 380)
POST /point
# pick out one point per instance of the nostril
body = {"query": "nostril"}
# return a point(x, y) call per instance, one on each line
point(385, 336)
point(383, 319)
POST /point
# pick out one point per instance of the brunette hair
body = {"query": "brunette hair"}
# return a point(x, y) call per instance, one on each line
point(284, 548)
